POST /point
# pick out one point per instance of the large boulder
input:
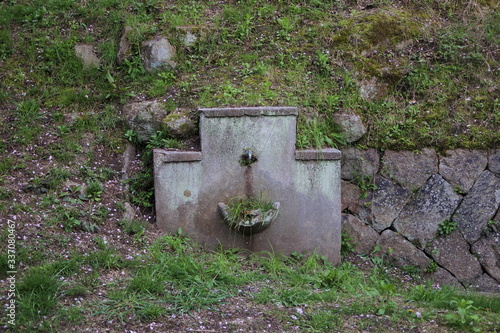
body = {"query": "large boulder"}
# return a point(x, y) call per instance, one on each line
point(352, 126)
point(86, 53)
point(462, 167)
point(144, 118)
point(179, 124)
point(434, 203)
point(410, 169)
point(479, 206)
point(158, 54)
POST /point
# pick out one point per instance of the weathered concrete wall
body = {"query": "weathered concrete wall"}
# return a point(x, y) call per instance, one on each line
point(397, 201)
point(189, 185)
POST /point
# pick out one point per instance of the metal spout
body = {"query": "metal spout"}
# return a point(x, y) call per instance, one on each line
point(248, 157)
point(249, 154)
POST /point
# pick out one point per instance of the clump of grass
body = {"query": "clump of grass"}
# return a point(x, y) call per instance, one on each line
point(240, 209)
point(128, 306)
point(141, 188)
point(160, 139)
point(250, 215)
point(38, 294)
point(133, 227)
point(319, 133)
point(106, 257)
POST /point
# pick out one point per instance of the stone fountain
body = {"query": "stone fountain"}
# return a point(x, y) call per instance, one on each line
point(250, 152)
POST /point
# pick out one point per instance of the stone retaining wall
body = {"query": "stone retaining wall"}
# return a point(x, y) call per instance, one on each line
point(435, 213)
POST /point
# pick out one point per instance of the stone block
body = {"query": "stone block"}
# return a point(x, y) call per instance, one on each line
point(410, 169)
point(363, 236)
point(189, 34)
point(179, 124)
point(434, 203)
point(400, 251)
point(479, 206)
point(144, 118)
point(442, 277)
point(494, 161)
point(125, 48)
point(351, 195)
point(487, 250)
point(359, 163)
point(86, 54)
point(158, 53)
point(462, 167)
point(452, 253)
point(386, 202)
point(486, 283)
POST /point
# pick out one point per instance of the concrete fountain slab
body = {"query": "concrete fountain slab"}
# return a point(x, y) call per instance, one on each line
point(189, 185)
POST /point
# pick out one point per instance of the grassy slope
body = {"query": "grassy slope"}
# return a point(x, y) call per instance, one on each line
point(61, 136)
point(435, 63)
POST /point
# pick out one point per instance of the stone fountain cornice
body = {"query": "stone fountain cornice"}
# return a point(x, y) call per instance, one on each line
point(250, 111)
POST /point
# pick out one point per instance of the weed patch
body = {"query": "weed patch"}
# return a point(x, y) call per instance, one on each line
point(38, 295)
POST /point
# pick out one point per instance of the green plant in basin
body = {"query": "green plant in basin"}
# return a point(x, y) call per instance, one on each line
point(249, 215)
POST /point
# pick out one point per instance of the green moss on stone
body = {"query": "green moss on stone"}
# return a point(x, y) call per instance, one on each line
point(382, 29)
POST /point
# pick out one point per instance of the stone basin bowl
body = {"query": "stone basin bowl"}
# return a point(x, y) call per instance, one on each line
point(254, 222)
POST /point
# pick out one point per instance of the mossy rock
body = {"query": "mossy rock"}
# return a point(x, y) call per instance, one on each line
point(144, 118)
point(375, 42)
point(179, 124)
point(189, 34)
point(382, 29)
